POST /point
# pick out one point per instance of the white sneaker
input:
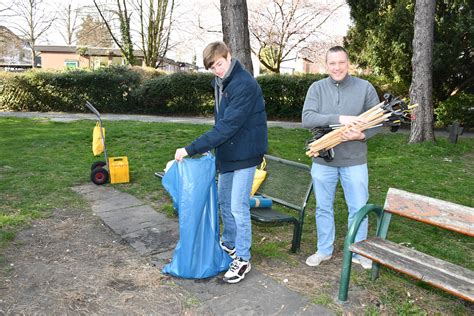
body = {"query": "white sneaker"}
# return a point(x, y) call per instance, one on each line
point(316, 259)
point(237, 271)
point(363, 261)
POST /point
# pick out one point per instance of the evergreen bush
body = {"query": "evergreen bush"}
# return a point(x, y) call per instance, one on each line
point(459, 107)
point(107, 88)
point(147, 91)
point(178, 94)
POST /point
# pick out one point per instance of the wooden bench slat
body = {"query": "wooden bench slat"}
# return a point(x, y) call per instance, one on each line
point(447, 276)
point(432, 211)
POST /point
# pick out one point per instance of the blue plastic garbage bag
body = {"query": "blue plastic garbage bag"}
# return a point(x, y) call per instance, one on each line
point(192, 186)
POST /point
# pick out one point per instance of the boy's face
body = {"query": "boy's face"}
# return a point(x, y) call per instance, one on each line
point(221, 65)
point(337, 65)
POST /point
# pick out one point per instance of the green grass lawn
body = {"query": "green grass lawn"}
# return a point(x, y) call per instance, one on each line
point(41, 160)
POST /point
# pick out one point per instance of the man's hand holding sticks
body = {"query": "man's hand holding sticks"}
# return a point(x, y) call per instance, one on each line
point(351, 128)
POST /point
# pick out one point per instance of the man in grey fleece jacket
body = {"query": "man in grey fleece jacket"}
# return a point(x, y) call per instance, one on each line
point(339, 99)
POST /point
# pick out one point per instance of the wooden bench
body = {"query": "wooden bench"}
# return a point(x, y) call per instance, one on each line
point(288, 184)
point(438, 273)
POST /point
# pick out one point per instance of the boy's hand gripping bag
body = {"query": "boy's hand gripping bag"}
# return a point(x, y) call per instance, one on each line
point(192, 185)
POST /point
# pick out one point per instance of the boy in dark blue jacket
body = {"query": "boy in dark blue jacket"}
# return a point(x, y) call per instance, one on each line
point(239, 138)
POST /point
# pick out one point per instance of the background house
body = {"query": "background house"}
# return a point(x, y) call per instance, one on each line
point(72, 57)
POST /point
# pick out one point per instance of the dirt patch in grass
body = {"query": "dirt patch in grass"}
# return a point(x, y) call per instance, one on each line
point(320, 284)
point(392, 293)
point(71, 264)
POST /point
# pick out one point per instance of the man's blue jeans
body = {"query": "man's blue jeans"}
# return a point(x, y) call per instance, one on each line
point(355, 183)
point(233, 196)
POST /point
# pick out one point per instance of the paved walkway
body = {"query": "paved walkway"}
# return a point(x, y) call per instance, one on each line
point(154, 235)
point(69, 117)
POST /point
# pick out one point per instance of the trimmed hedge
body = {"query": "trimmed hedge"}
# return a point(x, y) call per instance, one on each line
point(284, 94)
point(178, 94)
point(147, 91)
point(108, 89)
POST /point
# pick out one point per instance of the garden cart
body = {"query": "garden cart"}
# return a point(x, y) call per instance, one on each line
point(114, 169)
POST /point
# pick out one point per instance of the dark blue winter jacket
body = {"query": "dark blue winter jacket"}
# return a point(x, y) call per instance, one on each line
point(239, 135)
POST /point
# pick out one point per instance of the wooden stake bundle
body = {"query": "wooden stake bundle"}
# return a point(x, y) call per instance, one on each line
point(374, 116)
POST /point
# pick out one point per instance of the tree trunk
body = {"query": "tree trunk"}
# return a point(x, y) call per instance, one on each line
point(235, 29)
point(421, 89)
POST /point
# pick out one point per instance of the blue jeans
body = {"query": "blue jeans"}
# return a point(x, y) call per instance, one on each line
point(355, 183)
point(233, 195)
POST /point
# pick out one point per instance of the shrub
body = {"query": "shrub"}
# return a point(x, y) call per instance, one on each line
point(456, 108)
point(178, 93)
point(108, 89)
point(383, 86)
point(284, 94)
point(148, 91)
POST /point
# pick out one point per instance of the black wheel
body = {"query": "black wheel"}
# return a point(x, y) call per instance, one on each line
point(99, 176)
point(97, 164)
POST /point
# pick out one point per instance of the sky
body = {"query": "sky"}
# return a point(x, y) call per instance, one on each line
point(198, 22)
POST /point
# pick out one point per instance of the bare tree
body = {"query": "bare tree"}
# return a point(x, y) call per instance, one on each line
point(69, 23)
point(156, 18)
point(235, 29)
point(5, 11)
point(281, 27)
point(124, 41)
point(34, 21)
point(421, 88)
point(93, 32)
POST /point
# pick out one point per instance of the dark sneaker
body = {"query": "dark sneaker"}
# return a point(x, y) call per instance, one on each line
point(237, 271)
point(230, 252)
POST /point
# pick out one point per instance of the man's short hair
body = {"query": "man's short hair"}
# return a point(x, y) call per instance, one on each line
point(336, 49)
point(213, 52)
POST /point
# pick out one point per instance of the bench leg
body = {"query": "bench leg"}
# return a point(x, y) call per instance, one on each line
point(297, 231)
point(345, 276)
point(382, 230)
point(350, 237)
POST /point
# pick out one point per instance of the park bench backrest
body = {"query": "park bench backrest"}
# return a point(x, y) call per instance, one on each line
point(287, 182)
point(455, 217)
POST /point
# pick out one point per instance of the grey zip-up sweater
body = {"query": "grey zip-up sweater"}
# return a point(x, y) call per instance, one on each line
point(326, 100)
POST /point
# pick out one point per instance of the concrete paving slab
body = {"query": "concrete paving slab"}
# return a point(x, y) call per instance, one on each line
point(127, 220)
point(153, 240)
point(257, 294)
point(105, 198)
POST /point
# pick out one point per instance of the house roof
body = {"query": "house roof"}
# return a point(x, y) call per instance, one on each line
point(5, 29)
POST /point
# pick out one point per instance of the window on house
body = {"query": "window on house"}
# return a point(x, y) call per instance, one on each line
point(71, 64)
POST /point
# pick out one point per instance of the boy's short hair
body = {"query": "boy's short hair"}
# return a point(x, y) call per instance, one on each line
point(214, 51)
point(336, 49)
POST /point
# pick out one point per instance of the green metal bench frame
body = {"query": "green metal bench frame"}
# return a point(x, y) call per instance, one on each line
point(271, 215)
point(383, 221)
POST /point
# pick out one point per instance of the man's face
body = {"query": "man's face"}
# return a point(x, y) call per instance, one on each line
point(221, 65)
point(337, 65)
